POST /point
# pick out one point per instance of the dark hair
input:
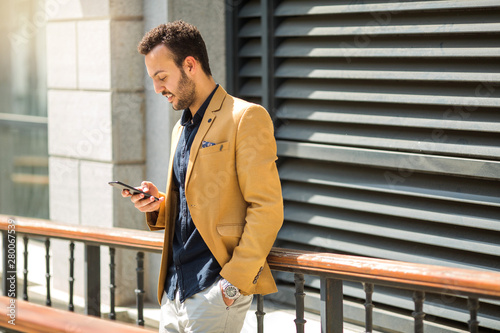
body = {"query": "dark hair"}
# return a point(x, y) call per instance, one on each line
point(181, 38)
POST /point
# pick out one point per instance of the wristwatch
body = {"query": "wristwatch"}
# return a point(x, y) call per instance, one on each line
point(230, 291)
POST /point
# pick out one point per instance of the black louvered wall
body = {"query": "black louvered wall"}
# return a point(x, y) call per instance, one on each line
point(388, 132)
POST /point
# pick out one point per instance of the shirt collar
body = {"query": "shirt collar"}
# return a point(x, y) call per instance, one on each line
point(187, 116)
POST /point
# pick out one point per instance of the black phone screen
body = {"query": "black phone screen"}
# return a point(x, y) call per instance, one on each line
point(131, 189)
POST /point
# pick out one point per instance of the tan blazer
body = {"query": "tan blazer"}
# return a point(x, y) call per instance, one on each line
point(233, 192)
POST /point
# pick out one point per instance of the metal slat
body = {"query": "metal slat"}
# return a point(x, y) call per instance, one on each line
point(378, 158)
point(250, 9)
point(251, 29)
point(295, 68)
point(300, 7)
point(367, 47)
point(381, 92)
point(431, 117)
point(253, 68)
point(380, 247)
point(252, 48)
point(370, 27)
point(395, 228)
point(473, 216)
point(391, 139)
point(252, 88)
point(440, 187)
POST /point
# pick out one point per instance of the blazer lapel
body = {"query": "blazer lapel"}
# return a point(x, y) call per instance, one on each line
point(208, 119)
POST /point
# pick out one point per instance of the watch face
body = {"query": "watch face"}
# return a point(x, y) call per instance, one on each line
point(231, 291)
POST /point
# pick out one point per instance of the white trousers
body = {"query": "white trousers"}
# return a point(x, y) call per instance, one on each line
point(205, 312)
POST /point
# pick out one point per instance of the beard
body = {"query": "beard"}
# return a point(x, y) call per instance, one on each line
point(186, 93)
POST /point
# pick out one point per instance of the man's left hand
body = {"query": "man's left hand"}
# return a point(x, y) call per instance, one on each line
point(226, 300)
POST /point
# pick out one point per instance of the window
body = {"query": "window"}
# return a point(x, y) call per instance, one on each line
point(23, 110)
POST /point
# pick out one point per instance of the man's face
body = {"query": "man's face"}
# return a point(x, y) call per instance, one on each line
point(168, 79)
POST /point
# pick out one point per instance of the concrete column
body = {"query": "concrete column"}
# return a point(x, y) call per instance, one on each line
point(96, 126)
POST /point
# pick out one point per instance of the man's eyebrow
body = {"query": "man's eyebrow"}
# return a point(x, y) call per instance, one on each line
point(157, 72)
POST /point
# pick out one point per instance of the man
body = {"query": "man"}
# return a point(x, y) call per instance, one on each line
point(223, 207)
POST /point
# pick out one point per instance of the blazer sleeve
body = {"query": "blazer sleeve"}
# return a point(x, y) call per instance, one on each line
point(156, 220)
point(261, 188)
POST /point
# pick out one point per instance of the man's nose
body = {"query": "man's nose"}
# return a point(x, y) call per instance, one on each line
point(159, 88)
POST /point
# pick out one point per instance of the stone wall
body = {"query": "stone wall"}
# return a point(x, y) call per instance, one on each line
point(96, 127)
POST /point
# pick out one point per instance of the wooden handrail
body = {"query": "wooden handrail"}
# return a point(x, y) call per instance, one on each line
point(121, 237)
point(29, 317)
point(389, 272)
point(380, 271)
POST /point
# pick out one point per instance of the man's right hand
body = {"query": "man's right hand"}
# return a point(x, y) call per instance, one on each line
point(145, 205)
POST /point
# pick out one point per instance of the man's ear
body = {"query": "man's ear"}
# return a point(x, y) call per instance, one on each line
point(190, 64)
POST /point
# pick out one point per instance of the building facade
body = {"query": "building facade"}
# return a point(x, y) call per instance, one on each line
point(386, 112)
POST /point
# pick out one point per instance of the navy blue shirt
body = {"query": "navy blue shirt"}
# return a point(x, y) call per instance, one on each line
point(194, 267)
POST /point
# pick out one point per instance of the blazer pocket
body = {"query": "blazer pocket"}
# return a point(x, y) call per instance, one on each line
point(230, 230)
point(214, 149)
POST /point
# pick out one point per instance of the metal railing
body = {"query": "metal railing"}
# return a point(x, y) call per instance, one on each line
point(332, 269)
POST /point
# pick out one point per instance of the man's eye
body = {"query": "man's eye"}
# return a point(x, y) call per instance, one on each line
point(162, 78)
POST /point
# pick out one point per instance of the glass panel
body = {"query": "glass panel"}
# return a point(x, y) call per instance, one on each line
point(23, 110)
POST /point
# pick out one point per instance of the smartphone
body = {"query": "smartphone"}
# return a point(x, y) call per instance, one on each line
point(131, 189)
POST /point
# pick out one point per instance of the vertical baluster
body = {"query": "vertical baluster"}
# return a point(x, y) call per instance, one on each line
point(299, 302)
point(260, 313)
point(140, 288)
point(92, 280)
point(473, 306)
point(418, 314)
point(332, 305)
point(368, 287)
point(25, 270)
point(71, 306)
point(48, 302)
point(112, 286)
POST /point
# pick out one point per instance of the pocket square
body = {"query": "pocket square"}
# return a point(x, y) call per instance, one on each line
point(205, 144)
